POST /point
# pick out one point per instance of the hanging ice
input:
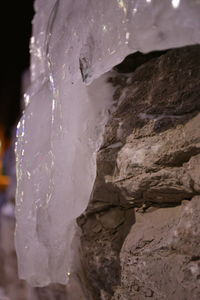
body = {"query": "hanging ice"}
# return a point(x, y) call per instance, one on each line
point(74, 42)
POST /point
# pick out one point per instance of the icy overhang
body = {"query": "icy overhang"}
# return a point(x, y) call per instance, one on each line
point(74, 43)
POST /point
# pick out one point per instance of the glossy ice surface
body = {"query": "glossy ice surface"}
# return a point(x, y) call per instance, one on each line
point(74, 42)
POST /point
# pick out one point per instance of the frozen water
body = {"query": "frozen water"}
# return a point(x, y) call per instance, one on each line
point(74, 42)
point(56, 171)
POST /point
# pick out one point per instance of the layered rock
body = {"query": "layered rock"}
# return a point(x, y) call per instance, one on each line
point(148, 183)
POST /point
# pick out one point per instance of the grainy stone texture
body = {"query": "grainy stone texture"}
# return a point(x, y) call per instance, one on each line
point(160, 257)
point(140, 233)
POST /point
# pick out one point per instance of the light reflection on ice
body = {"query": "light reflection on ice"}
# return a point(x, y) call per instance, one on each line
point(122, 5)
point(176, 3)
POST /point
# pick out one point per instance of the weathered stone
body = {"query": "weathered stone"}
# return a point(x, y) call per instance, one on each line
point(149, 160)
point(160, 257)
point(194, 173)
point(112, 219)
point(102, 238)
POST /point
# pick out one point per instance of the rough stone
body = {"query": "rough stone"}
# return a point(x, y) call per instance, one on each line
point(160, 257)
point(112, 218)
point(148, 165)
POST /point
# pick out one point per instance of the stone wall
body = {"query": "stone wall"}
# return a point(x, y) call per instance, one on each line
point(140, 233)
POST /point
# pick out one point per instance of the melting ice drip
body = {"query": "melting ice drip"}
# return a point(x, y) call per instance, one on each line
point(74, 42)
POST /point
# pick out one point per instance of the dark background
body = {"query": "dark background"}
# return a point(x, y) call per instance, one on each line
point(15, 33)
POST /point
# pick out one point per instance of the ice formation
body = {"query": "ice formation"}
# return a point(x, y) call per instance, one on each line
point(74, 43)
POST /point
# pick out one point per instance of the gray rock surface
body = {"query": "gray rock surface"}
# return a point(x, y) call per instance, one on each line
point(160, 257)
point(140, 233)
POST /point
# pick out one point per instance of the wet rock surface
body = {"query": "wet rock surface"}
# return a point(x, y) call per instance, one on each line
point(140, 233)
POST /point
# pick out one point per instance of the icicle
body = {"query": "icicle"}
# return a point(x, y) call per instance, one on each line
point(74, 42)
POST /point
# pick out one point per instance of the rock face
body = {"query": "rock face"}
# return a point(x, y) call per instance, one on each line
point(160, 257)
point(140, 233)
